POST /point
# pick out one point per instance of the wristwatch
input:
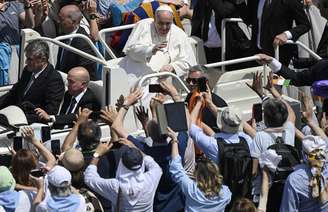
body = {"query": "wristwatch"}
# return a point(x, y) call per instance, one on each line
point(96, 155)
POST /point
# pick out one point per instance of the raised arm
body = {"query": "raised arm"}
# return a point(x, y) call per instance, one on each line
point(264, 190)
point(29, 136)
point(309, 116)
point(72, 135)
point(130, 100)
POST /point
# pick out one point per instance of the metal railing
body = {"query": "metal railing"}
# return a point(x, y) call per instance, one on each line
point(223, 37)
point(84, 37)
point(163, 74)
point(231, 62)
point(300, 44)
point(112, 29)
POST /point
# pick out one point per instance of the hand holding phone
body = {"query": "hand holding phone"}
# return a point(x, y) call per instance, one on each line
point(202, 84)
point(257, 112)
point(155, 88)
point(17, 143)
point(37, 173)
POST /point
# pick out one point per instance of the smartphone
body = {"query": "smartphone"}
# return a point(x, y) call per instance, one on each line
point(155, 88)
point(17, 143)
point(257, 112)
point(37, 173)
point(95, 115)
point(45, 133)
point(55, 147)
point(202, 84)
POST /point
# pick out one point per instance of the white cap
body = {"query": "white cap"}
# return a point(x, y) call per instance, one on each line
point(164, 7)
point(311, 143)
point(59, 175)
point(229, 120)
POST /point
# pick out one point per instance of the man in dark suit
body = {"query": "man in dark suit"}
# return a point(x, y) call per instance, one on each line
point(301, 78)
point(39, 86)
point(77, 96)
point(70, 17)
point(194, 74)
point(272, 25)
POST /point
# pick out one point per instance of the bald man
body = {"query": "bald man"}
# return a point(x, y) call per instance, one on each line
point(70, 17)
point(77, 96)
point(157, 45)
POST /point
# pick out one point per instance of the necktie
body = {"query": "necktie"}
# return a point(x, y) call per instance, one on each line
point(266, 9)
point(71, 106)
point(30, 83)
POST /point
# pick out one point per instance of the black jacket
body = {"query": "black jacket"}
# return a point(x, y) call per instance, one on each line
point(88, 100)
point(71, 60)
point(46, 92)
point(279, 18)
point(306, 77)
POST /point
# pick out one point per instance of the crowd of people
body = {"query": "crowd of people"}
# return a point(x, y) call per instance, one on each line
point(219, 162)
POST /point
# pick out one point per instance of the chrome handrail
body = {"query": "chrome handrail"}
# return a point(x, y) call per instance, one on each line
point(112, 29)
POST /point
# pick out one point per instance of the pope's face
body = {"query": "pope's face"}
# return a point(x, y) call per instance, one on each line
point(163, 22)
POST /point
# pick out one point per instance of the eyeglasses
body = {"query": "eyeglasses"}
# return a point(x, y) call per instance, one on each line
point(192, 80)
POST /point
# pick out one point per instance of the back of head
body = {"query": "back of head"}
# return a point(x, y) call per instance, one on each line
point(22, 164)
point(275, 113)
point(37, 48)
point(131, 158)
point(59, 180)
point(208, 178)
point(73, 160)
point(229, 120)
point(243, 205)
point(89, 134)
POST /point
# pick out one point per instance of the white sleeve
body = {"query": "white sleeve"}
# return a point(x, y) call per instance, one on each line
point(186, 58)
point(139, 47)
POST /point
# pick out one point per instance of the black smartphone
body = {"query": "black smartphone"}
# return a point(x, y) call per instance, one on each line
point(37, 173)
point(95, 115)
point(257, 112)
point(17, 143)
point(55, 147)
point(155, 88)
point(202, 84)
point(45, 133)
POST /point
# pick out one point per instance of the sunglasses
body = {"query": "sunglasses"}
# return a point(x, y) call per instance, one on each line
point(192, 80)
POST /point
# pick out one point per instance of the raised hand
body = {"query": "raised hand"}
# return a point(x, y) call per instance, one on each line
point(257, 84)
point(133, 97)
point(109, 115)
point(142, 115)
point(83, 115)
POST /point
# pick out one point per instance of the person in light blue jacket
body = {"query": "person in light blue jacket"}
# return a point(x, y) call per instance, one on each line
point(203, 193)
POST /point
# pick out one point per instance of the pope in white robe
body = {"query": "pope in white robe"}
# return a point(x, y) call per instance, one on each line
point(157, 45)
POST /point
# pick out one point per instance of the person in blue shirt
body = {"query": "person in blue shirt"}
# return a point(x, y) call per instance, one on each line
point(168, 196)
point(306, 189)
point(205, 192)
point(229, 122)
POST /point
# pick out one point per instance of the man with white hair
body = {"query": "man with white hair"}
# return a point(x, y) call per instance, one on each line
point(306, 189)
point(157, 45)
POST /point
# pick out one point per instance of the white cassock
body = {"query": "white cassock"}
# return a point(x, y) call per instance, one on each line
point(138, 49)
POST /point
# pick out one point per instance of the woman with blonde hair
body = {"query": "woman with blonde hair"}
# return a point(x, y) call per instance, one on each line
point(205, 192)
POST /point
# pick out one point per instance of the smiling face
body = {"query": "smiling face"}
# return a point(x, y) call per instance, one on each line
point(163, 22)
